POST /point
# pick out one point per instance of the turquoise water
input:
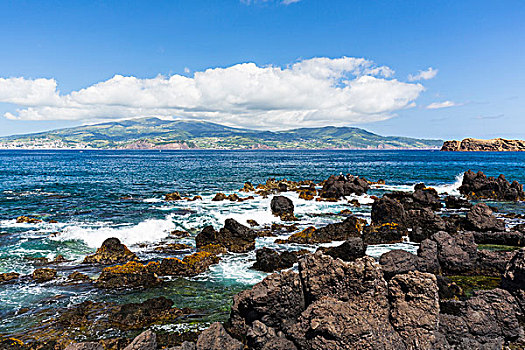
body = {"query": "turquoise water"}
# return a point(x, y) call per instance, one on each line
point(94, 195)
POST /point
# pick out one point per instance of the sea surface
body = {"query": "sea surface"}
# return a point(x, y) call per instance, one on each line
point(94, 195)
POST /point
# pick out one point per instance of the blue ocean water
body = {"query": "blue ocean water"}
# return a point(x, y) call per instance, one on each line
point(94, 195)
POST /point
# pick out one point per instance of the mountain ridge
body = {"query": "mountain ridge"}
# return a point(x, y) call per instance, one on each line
point(154, 133)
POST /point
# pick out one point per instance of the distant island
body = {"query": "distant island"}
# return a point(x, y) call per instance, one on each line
point(154, 133)
point(476, 145)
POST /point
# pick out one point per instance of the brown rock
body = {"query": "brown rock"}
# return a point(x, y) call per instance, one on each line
point(111, 252)
point(44, 274)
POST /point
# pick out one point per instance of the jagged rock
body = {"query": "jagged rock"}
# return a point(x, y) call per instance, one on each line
point(307, 194)
point(514, 277)
point(85, 346)
point(456, 254)
point(216, 338)
point(423, 223)
point(190, 265)
point(399, 261)
point(235, 237)
point(282, 207)
point(175, 196)
point(144, 341)
point(337, 186)
point(485, 321)
point(215, 249)
point(414, 308)
point(79, 276)
point(340, 231)
point(479, 186)
point(248, 187)
point(277, 301)
point(130, 275)
point(492, 263)
point(387, 233)
point(252, 222)
point(44, 274)
point(448, 289)
point(8, 276)
point(480, 218)
point(476, 145)
point(511, 238)
point(219, 197)
point(351, 249)
point(27, 220)
point(388, 210)
point(453, 202)
point(185, 346)
point(428, 252)
point(140, 315)
point(422, 197)
point(111, 252)
point(269, 260)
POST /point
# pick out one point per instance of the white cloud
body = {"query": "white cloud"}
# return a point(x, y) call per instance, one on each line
point(424, 75)
point(444, 104)
point(312, 92)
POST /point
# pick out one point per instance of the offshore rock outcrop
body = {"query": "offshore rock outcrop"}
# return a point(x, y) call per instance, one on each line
point(233, 236)
point(283, 207)
point(478, 145)
point(339, 231)
point(337, 186)
point(111, 252)
point(479, 186)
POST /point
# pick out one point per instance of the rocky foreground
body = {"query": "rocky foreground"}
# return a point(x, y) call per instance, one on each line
point(455, 293)
point(477, 145)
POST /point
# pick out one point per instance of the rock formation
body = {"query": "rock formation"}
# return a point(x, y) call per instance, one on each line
point(477, 145)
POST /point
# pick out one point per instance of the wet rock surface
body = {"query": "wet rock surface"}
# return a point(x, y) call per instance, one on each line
point(337, 186)
point(269, 260)
point(233, 236)
point(111, 252)
point(282, 207)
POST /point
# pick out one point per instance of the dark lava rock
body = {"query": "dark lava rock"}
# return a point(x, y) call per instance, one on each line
point(488, 320)
point(480, 218)
point(111, 252)
point(269, 260)
point(512, 238)
point(130, 275)
point(387, 233)
point(282, 207)
point(144, 341)
point(85, 346)
point(44, 274)
point(456, 254)
point(350, 250)
point(340, 231)
point(190, 265)
point(424, 222)
point(8, 276)
point(422, 197)
point(399, 261)
point(388, 210)
point(514, 277)
point(479, 186)
point(448, 289)
point(337, 186)
point(493, 263)
point(79, 277)
point(216, 338)
point(234, 236)
point(453, 202)
point(140, 315)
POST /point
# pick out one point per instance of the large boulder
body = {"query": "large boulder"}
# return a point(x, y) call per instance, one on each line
point(456, 255)
point(399, 261)
point(480, 218)
point(423, 223)
point(216, 338)
point(44, 274)
point(453, 202)
point(388, 210)
point(269, 260)
point(350, 250)
point(514, 277)
point(111, 252)
point(479, 186)
point(387, 233)
point(144, 341)
point(233, 236)
point(414, 308)
point(190, 265)
point(337, 186)
point(511, 238)
point(130, 275)
point(339, 231)
point(282, 207)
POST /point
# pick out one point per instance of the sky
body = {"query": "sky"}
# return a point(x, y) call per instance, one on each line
point(429, 69)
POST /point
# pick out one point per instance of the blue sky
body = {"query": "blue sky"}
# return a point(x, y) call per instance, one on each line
point(476, 47)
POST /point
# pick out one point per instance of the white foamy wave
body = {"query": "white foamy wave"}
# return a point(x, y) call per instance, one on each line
point(452, 189)
point(150, 230)
point(152, 200)
point(235, 268)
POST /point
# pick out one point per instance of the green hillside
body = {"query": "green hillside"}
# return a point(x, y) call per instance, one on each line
point(152, 133)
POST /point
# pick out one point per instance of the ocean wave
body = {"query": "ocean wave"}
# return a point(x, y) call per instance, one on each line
point(452, 189)
point(150, 230)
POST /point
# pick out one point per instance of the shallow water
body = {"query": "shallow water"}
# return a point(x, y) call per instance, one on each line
point(99, 194)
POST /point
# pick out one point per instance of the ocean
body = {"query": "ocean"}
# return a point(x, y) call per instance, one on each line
point(94, 195)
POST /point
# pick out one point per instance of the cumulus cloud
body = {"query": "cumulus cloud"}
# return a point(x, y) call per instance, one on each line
point(444, 104)
point(311, 92)
point(423, 75)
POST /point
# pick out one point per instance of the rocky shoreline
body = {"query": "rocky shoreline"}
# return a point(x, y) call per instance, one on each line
point(453, 294)
point(477, 145)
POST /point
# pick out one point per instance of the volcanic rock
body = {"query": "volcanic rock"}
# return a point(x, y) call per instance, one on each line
point(130, 275)
point(350, 250)
point(480, 218)
point(234, 236)
point(111, 252)
point(337, 186)
point(269, 260)
point(44, 274)
point(479, 186)
point(282, 207)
